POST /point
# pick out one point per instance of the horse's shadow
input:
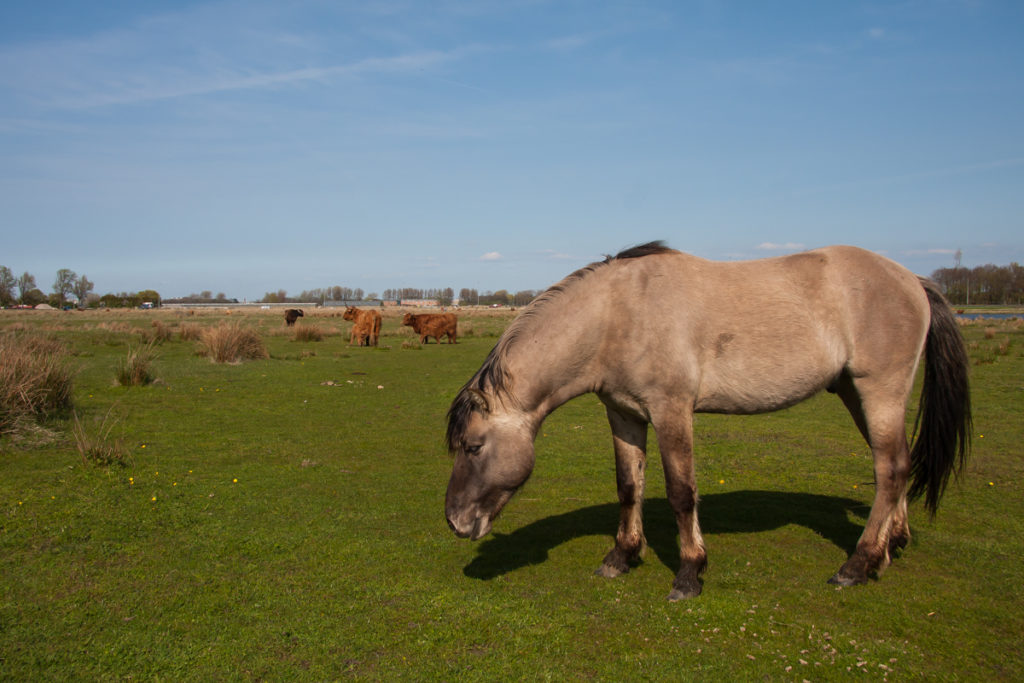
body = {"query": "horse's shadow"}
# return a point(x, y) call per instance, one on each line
point(720, 513)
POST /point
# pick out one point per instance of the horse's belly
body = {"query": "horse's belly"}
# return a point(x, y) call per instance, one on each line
point(747, 394)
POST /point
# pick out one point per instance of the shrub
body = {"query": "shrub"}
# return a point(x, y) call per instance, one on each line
point(136, 368)
point(35, 381)
point(232, 343)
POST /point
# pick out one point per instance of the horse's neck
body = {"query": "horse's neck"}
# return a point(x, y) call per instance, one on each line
point(551, 361)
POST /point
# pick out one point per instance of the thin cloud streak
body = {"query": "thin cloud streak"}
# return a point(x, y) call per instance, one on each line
point(154, 90)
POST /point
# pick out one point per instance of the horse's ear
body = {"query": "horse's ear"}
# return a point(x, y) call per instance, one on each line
point(479, 400)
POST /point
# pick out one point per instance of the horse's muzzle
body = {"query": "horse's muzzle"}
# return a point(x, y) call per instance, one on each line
point(476, 529)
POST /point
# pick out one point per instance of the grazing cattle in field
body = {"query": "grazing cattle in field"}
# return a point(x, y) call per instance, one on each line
point(291, 315)
point(365, 328)
point(436, 325)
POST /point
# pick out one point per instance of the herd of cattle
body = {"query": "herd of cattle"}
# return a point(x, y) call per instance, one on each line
point(366, 325)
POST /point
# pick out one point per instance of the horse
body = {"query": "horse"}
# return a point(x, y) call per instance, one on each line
point(660, 335)
point(366, 327)
point(436, 325)
point(291, 315)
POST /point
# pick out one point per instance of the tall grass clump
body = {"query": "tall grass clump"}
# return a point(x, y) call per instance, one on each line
point(190, 331)
point(136, 369)
point(160, 333)
point(231, 343)
point(308, 333)
point(99, 446)
point(36, 381)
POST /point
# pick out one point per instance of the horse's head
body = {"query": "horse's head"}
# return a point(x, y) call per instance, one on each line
point(493, 450)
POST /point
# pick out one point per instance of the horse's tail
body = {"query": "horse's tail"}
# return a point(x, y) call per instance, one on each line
point(942, 430)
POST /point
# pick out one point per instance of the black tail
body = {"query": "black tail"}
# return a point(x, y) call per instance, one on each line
point(942, 430)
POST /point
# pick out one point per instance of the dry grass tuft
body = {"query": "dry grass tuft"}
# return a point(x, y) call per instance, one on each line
point(98, 446)
point(36, 381)
point(232, 343)
point(161, 332)
point(190, 331)
point(136, 369)
point(307, 333)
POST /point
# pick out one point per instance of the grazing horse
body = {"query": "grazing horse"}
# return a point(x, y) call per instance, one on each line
point(366, 327)
point(291, 315)
point(436, 325)
point(733, 337)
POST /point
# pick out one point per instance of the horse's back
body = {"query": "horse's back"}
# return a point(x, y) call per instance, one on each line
point(756, 336)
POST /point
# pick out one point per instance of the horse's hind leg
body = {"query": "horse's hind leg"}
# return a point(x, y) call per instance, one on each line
point(880, 418)
point(630, 436)
point(675, 440)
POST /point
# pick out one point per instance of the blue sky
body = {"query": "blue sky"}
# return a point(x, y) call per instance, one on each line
point(245, 147)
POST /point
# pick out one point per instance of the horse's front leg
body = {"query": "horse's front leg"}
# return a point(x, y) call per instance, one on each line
point(630, 437)
point(675, 439)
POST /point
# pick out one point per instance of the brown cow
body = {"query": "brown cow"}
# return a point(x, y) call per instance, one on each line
point(366, 327)
point(291, 315)
point(435, 325)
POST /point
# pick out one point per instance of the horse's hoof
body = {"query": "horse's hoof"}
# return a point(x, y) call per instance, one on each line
point(683, 594)
point(839, 580)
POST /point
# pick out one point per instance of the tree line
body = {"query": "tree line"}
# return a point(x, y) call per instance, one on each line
point(988, 284)
point(68, 288)
point(443, 296)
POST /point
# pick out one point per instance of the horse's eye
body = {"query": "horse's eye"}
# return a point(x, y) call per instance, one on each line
point(473, 449)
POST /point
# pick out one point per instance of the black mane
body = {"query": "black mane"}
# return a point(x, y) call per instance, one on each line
point(493, 374)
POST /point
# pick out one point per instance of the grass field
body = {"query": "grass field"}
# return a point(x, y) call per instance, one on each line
point(282, 519)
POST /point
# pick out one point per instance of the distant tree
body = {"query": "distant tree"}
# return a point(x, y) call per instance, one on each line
point(82, 287)
point(33, 297)
point(446, 296)
point(149, 295)
point(987, 284)
point(206, 294)
point(524, 297)
point(357, 294)
point(278, 297)
point(64, 285)
point(371, 296)
point(7, 284)
point(26, 283)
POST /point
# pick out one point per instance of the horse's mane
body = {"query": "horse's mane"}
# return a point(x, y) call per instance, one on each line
point(493, 374)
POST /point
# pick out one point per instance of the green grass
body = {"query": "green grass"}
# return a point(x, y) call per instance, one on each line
point(282, 519)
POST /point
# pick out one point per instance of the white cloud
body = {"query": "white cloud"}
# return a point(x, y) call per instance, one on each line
point(491, 256)
point(773, 246)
